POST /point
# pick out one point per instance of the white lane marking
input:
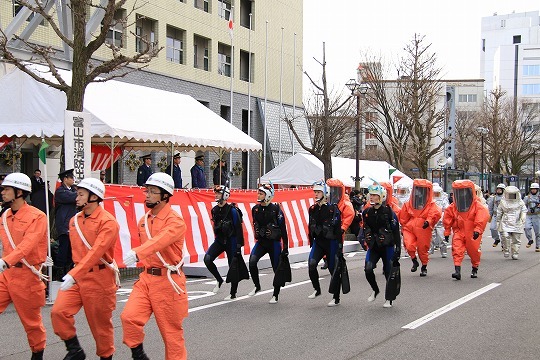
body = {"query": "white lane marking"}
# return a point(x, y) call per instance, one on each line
point(452, 305)
point(223, 302)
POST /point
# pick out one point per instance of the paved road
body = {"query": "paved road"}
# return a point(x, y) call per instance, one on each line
point(492, 317)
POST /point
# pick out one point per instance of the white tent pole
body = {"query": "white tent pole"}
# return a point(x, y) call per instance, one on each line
point(294, 91)
point(112, 160)
point(232, 88)
point(48, 212)
point(249, 99)
point(265, 98)
point(172, 159)
point(280, 97)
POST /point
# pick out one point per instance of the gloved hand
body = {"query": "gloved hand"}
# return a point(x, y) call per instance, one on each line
point(446, 239)
point(475, 235)
point(3, 266)
point(426, 224)
point(69, 281)
point(130, 258)
point(342, 231)
point(285, 252)
point(238, 250)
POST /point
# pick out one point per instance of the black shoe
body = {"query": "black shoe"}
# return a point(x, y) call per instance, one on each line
point(415, 265)
point(423, 270)
point(37, 355)
point(474, 273)
point(105, 358)
point(75, 352)
point(529, 244)
point(138, 353)
point(457, 274)
point(496, 242)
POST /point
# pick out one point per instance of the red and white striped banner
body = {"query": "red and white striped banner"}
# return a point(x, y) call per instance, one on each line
point(126, 203)
point(101, 156)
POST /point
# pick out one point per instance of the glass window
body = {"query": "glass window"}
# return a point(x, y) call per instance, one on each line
point(175, 45)
point(531, 70)
point(531, 89)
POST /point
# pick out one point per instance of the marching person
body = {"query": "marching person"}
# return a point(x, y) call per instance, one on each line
point(270, 229)
point(65, 208)
point(466, 217)
point(403, 194)
point(493, 204)
point(161, 288)
point(177, 172)
point(144, 171)
point(229, 236)
point(532, 202)
point(417, 218)
point(92, 282)
point(198, 179)
point(324, 233)
point(437, 240)
point(23, 231)
point(511, 215)
point(382, 238)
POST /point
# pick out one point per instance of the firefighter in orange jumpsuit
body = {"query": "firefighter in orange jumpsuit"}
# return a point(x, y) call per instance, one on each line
point(417, 217)
point(23, 230)
point(467, 218)
point(339, 197)
point(92, 282)
point(161, 288)
point(391, 200)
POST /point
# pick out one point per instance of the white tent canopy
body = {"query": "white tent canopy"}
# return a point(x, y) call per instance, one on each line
point(403, 179)
point(133, 115)
point(303, 169)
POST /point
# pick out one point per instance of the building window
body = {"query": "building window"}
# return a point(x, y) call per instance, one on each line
point(246, 8)
point(531, 70)
point(517, 39)
point(201, 58)
point(224, 59)
point(472, 98)
point(17, 7)
point(115, 35)
point(145, 31)
point(244, 66)
point(531, 89)
point(175, 45)
point(203, 5)
point(224, 9)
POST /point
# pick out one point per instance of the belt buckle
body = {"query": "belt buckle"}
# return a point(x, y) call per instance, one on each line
point(155, 271)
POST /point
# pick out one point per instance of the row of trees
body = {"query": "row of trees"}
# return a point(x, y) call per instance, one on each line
point(411, 118)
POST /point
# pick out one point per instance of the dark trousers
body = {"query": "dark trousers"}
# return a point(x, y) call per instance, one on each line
point(216, 249)
point(273, 249)
point(319, 249)
point(373, 256)
point(63, 261)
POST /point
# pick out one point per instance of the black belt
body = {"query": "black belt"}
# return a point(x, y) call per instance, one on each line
point(100, 267)
point(18, 265)
point(159, 271)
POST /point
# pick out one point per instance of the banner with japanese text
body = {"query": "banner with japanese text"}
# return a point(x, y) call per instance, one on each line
point(77, 142)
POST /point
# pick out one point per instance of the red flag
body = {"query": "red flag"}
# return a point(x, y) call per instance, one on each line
point(4, 140)
point(231, 28)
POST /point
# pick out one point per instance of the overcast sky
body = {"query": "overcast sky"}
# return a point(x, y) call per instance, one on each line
point(350, 27)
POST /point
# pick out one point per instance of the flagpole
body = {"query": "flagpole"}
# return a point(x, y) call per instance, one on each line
point(231, 24)
point(249, 99)
point(294, 90)
point(43, 148)
point(280, 97)
point(265, 97)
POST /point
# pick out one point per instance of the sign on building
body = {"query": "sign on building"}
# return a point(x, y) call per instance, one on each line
point(77, 141)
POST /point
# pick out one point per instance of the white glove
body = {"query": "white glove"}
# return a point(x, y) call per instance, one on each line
point(130, 258)
point(69, 281)
point(3, 266)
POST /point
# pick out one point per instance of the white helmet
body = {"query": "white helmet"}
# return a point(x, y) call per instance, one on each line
point(502, 186)
point(222, 189)
point(95, 186)
point(162, 181)
point(19, 181)
point(437, 188)
point(511, 193)
point(269, 192)
point(533, 186)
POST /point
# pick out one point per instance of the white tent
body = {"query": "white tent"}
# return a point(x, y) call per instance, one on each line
point(399, 178)
point(303, 169)
point(132, 115)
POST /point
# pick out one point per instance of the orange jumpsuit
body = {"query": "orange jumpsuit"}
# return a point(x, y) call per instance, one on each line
point(28, 228)
point(412, 220)
point(345, 206)
point(153, 292)
point(95, 286)
point(464, 224)
point(390, 199)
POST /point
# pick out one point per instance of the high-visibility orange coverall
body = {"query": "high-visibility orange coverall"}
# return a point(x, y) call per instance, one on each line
point(344, 205)
point(95, 286)
point(390, 199)
point(412, 220)
point(464, 224)
point(28, 228)
point(153, 292)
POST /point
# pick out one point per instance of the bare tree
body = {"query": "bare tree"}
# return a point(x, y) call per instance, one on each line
point(467, 144)
point(419, 96)
point(329, 121)
point(85, 68)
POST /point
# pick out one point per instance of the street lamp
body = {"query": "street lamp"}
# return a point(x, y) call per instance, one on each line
point(483, 131)
point(357, 89)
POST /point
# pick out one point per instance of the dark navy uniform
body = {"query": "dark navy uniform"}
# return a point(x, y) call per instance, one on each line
point(177, 175)
point(324, 238)
point(65, 209)
point(269, 228)
point(143, 173)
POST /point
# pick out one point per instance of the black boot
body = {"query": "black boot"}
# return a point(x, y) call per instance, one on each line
point(423, 270)
point(474, 273)
point(415, 265)
point(37, 355)
point(457, 274)
point(105, 358)
point(138, 353)
point(75, 352)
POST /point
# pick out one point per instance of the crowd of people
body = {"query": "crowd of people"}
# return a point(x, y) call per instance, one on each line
point(419, 220)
